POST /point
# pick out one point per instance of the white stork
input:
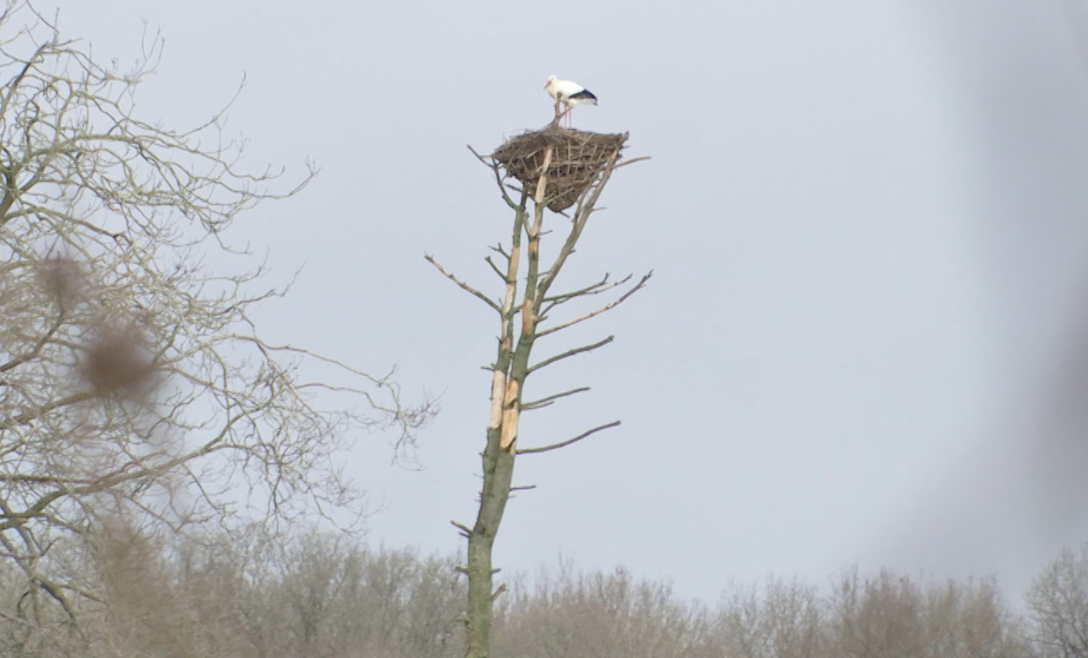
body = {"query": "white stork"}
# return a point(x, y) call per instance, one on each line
point(570, 94)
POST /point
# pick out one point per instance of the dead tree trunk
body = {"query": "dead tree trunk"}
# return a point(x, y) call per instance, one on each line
point(557, 169)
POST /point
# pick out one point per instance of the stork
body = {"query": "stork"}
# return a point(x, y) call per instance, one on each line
point(570, 94)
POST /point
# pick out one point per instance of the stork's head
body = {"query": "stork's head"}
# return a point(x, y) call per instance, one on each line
point(551, 80)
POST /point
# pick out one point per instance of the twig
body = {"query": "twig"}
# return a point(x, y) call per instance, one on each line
point(543, 402)
point(569, 353)
point(493, 166)
point(502, 275)
point(631, 161)
point(607, 307)
point(564, 444)
point(483, 159)
point(528, 487)
point(487, 300)
point(4, 615)
point(595, 289)
point(591, 289)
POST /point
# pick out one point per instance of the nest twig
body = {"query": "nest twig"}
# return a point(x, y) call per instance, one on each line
point(577, 159)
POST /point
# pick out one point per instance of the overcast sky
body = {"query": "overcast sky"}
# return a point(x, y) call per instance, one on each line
point(867, 337)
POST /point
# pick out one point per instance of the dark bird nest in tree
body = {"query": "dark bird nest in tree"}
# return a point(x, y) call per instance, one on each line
point(578, 157)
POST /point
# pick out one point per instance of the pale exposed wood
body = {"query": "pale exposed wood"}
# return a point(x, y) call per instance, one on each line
point(511, 414)
point(498, 386)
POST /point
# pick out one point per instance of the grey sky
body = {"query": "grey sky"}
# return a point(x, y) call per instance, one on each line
point(865, 337)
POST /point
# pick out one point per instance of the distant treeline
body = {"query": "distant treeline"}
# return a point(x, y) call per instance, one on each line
point(322, 595)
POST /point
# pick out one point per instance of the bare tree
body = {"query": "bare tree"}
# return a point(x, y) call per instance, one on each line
point(322, 594)
point(601, 615)
point(132, 382)
point(781, 620)
point(1058, 605)
point(893, 615)
point(556, 169)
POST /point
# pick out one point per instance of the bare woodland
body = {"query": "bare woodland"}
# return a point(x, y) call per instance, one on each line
point(258, 596)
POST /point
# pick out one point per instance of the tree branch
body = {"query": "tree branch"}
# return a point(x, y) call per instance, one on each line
point(548, 401)
point(632, 161)
point(464, 286)
point(564, 444)
point(592, 289)
point(494, 167)
point(570, 353)
point(495, 268)
point(607, 307)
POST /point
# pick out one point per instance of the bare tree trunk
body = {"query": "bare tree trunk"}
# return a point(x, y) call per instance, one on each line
point(498, 473)
point(498, 457)
point(512, 365)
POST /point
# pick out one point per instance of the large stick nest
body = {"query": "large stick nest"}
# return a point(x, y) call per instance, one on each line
point(578, 157)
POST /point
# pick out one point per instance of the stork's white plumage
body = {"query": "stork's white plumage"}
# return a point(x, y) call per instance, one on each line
point(570, 94)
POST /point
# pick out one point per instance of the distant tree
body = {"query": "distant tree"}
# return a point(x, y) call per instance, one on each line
point(133, 386)
point(319, 594)
point(783, 619)
point(1058, 606)
point(538, 173)
point(891, 615)
point(601, 615)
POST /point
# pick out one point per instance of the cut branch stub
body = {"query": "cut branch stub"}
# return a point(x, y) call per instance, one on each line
point(578, 157)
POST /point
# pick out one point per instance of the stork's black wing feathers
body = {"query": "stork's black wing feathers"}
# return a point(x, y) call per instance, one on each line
point(584, 95)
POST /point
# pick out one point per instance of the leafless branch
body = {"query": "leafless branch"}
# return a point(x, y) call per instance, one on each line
point(563, 444)
point(569, 353)
point(16, 620)
point(607, 307)
point(548, 401)
point(632, 161)
point(464, 286)
point(592, 289)
point(495, 268)
point(494, 167)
